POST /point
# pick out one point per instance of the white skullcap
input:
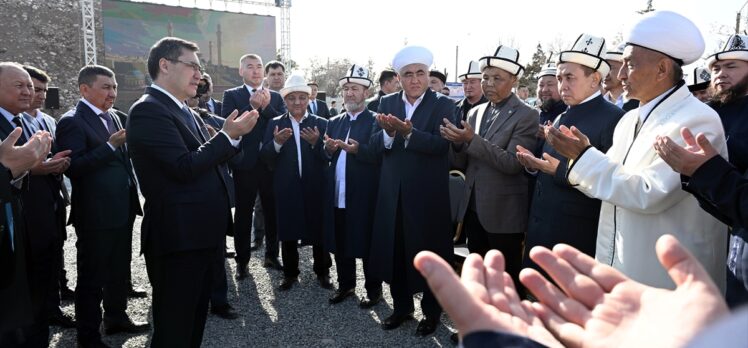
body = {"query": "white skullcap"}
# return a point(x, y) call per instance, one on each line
point(295, 83)
point(670, 34)
point(412, 55)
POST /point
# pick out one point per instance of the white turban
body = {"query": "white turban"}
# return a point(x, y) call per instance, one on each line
point(668, 33)
point(412, 55)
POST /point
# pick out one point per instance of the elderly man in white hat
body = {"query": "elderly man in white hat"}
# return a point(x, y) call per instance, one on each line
point(559, 212)
point(612, 85)
point(484, 147)
point(698, 84)
point(292, 148)
point(473, 92)
point(413, 208)
point(642, 196)
point(351, 188)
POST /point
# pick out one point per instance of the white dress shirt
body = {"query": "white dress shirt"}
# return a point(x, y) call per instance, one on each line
point(340, 169)
point(296, 135)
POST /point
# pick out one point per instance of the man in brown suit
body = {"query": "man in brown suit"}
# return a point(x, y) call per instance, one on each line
point(494, 209)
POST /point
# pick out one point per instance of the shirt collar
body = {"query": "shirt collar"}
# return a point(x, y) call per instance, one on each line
point(503, 102)
point(95, 110)
point(418, 101)
point(179, 103)
point(593, 96)
point(645, 109)
point(354, 116)
point(250, 88)
point(306, 114)
point(8, 115)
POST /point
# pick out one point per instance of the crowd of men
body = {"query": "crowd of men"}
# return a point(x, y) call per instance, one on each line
point(605, 164)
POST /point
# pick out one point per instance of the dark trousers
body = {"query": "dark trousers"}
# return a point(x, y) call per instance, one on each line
point(402, 296)
point(290, 253)
point(480, 242)
point(346, 266)
point(258, 221)
point(42, 270)
point(103, 264)
point(220, 288)
point(181, 283)
point(247, 184)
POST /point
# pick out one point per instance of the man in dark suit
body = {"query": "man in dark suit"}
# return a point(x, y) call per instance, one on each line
point(100, 171)
point(413, 208)
point(351, 182)
point(206, 100)
point(485, 147)
point(471, 85)
point(389, 82)
point(26, 272)
point(187, 199)
point(293, 149)
point(252, 175)
point(36, 120)
point(559, 212)
point(316, 106)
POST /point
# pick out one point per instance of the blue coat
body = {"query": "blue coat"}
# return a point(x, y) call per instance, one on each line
point(361, 183)
point(418, 178)
point(297, 199)
point(237, 98)
point(560, 213)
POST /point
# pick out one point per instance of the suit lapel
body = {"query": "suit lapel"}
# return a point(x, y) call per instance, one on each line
point(175, 113)
point(5, 127)
point(504, 116)
point(422, 114)
point(94, 121)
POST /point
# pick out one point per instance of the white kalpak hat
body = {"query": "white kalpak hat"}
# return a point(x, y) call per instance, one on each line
point(295, 83)
point(699, 80)
point(472, 73)
point(616, 54)
point(548, 69)
point(358, 75)
point(588, 51)
point(412, 55)
point(670, 34)
point(505, 58)
point(736, 47)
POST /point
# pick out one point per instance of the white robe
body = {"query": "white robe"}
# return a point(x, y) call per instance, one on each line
point(643, 199)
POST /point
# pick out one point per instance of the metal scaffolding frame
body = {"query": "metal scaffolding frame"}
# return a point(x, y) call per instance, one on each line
point(89, 32)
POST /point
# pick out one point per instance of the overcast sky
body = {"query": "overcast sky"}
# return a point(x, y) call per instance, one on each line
point(360, 29)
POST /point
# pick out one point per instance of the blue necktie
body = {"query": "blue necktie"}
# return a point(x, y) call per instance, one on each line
point(189, 121)
point(9, 220)
point(109, 122)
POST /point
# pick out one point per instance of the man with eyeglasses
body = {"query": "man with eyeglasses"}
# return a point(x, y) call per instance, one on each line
point(252, 176)
point(187, 197)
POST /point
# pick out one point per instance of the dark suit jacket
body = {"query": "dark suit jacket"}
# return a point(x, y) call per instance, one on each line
point(187, 204)
point(492, 172)
point(373, 102)
point(237, 98)
point(361, 183)
point(297, 199)
point(97, 173)
point(218, 107)
point(322, 110)
point(416, 176)
point(560, 213)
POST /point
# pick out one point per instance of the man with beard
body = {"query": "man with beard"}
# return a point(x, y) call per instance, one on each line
point(389, 82)
point(612, 85)
point(560, 213)
point(698, 84)
point(730, 86)
point(351, 188)
point(473, 92)
point(641, 194)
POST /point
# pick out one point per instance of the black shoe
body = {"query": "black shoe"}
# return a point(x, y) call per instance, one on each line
point(136, 293)
point(256, 245)
point(287, 283)
point(226, 312)
point(369, 301)
point(324, 282)
point(395, 320)
point(128, 326)
point(62, 320)
point(341, 295)
point(455, 338)
point(67, 294)
point(242, 271)
point(427, 326)
point(272, 262)
point(93, 344)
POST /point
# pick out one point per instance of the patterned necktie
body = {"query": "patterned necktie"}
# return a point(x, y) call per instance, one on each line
point(188, 119)
point(109, 122)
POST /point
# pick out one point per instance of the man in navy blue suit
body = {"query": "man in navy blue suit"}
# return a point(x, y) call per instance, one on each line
point(293, 149)
point(187, 197)
point(412, 212)
point(351, 182)
point(250, 174)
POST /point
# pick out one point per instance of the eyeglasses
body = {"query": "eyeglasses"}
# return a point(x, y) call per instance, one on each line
point(195, 66)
